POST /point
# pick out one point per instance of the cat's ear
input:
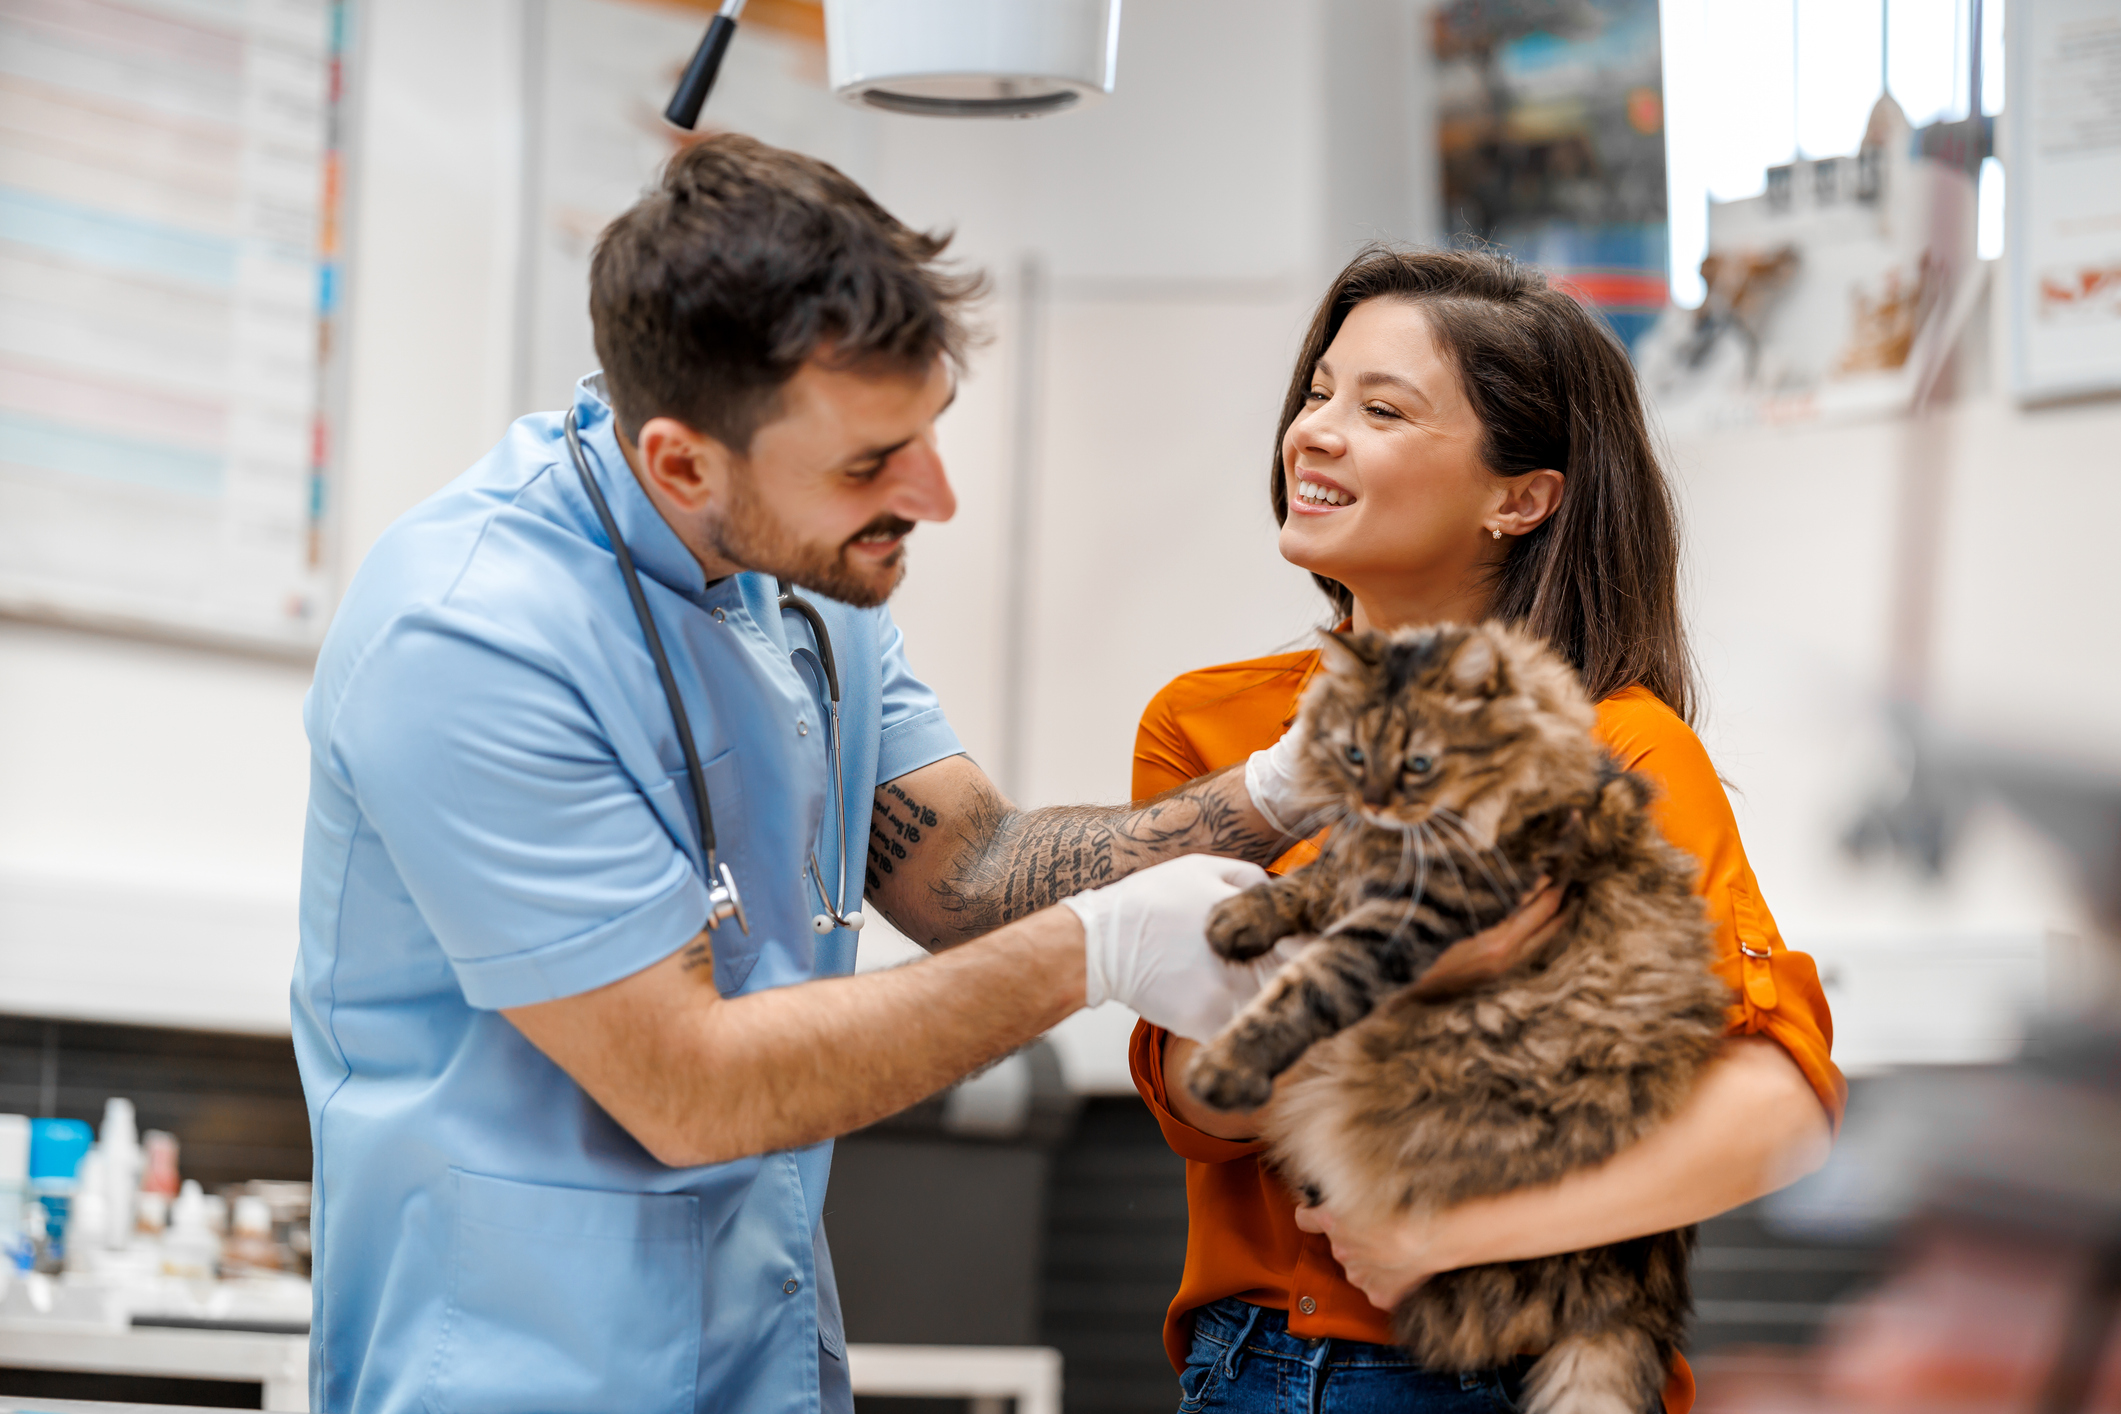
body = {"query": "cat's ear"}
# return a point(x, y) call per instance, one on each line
point(1476, 668)
point(1346, 652)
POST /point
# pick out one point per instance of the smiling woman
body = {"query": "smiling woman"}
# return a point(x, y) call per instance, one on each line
point(1461, 441)
point(1455, 389)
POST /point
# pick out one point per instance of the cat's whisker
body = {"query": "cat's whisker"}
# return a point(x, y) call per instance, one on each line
point(1475, 853)
point(1450, 858)
point(1403, 873)
point(1458, 822)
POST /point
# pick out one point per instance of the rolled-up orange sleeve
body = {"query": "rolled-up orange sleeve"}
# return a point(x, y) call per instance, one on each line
point(1145, 1058)
point(1776, 992)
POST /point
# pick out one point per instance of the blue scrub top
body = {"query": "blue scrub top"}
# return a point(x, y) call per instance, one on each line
point(499, 815)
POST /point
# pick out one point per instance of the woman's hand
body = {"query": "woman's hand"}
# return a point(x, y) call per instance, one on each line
point(1753, 1124)
point(1496, 950)
point(1387, 1260)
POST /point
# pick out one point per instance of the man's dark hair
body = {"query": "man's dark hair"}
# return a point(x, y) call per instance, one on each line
point(744, 262)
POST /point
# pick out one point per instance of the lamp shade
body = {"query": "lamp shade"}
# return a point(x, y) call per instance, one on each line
point(972, 58)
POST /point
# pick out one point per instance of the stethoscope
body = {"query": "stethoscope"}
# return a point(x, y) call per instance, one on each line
point(723, 900)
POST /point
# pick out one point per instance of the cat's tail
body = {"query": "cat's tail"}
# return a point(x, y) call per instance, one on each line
point(1614, 1371)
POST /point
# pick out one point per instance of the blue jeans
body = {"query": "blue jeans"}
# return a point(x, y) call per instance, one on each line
point(1244, 1361)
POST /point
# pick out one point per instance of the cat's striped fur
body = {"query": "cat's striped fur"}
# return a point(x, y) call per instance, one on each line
point(1457, 765)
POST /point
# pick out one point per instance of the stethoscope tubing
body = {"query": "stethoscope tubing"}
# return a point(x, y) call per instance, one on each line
point(724, 900)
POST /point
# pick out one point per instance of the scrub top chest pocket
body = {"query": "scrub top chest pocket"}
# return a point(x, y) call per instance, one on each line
point(736, 949)
point(568, 1300)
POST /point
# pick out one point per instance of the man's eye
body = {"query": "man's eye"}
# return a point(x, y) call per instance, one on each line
point(1355, 756)
point(1420, 765)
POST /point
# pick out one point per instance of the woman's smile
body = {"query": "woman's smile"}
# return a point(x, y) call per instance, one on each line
point(1318, 494)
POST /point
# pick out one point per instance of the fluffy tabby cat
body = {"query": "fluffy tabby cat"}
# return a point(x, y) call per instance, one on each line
point(1458, 765)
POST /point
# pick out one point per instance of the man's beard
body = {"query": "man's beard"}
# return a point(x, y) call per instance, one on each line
point(746, 534)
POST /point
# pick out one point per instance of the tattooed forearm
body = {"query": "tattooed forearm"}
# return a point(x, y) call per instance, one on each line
point(979, 862)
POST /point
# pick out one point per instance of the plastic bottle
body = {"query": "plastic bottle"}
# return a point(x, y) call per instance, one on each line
point(88, 1215)
point(56, 1148)
point(119, 1141)
point(190, 1247)
point(159, 1172)
point(15, 1248)
point(250, 1245)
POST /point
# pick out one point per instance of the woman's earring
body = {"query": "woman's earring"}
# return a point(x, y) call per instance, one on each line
point(1494, 532)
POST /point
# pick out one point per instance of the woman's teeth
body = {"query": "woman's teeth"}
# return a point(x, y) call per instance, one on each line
point(1313, 494)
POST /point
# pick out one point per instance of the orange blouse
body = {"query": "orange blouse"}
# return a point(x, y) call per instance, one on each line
point(1242, 1239)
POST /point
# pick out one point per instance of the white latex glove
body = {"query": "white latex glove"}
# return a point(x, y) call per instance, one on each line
point(1146, 946)
point(1270, 779)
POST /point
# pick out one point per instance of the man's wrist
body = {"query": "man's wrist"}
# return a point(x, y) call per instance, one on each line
point(1062, 944)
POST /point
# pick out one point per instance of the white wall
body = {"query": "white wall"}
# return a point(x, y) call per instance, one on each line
point(1794, 561)
point(151, 795)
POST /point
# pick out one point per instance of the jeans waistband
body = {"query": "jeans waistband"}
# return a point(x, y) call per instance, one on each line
point(1266, 1330)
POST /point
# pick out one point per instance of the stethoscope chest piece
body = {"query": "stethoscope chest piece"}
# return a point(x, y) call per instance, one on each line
point(724, 902)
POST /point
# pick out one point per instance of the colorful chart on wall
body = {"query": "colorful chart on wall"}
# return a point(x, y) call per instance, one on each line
point(2064, 198)
point(168, 174)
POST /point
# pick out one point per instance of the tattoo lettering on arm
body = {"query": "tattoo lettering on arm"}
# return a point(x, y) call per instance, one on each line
point(897, 825)
point(964, 862)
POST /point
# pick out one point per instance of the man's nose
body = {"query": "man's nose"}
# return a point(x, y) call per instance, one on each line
point(920, 488)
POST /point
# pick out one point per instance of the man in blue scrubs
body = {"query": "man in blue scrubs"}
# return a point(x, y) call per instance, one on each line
point(571, 1137)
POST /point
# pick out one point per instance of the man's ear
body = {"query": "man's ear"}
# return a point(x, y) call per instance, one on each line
point(1346, 652)
point(687, 467)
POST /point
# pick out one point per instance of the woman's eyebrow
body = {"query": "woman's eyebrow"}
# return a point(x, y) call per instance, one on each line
point(1390, 380)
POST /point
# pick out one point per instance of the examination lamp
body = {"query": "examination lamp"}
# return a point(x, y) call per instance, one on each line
point(944, 58)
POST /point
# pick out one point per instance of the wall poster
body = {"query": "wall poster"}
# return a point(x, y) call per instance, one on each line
point(2063, 201)
point(168, 269)
point(1551, 121)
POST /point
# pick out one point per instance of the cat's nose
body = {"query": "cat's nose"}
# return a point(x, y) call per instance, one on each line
point(1376, 791)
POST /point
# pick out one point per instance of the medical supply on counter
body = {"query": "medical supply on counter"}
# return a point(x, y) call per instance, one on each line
point(250, 1247)
point(723, 900)
point(16, 1249)
point(191, 1249)
point(86, 1213)
point(158, 1175)
point(118, 1142)
point(56, 1148)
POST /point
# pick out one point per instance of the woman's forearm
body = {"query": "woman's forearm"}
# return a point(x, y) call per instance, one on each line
point(1221, 1124)
point(1752, 1125)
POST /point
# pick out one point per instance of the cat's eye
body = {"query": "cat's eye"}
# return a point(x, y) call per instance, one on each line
point(1421, 765)
point(1355, 756)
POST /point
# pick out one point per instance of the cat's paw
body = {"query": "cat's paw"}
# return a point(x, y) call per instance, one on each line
point(1242, 928)
point(1224, 1083)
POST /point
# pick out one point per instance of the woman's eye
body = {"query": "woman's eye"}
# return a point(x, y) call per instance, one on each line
point(1316, 396)
point(1355, 756)
point(1421, 765)
point(1375, 411)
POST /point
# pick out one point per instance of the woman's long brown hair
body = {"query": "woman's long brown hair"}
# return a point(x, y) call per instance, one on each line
point(1553, 388)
